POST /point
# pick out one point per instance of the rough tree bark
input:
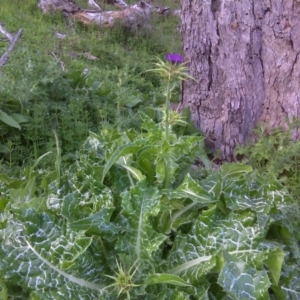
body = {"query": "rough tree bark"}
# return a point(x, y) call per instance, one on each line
point(244, 55)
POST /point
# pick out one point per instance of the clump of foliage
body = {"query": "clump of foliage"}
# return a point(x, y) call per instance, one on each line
point(121, 212)
point(109, 226)
point(276, 155)
point(70, 103)
point(39, 92)
point(129, 221)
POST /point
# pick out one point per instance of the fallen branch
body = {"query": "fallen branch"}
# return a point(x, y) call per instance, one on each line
point(118, 3)
point(130, 16)
point(93, 5)
point(12, 42)
point(167, 11)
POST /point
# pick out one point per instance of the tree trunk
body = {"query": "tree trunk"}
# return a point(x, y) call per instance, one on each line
point(244, 56)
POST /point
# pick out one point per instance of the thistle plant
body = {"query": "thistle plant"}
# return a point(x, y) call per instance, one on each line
point(172, 71)
point(123, 280)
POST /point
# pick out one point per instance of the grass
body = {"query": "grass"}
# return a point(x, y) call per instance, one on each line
point(42, 79)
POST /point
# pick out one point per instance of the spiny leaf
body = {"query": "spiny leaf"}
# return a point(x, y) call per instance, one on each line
point(194, 254)
point(166, 278)
point(243, 282)
point(190, 189)
point(98, 223)
point(40, 254)
point(120, 151)
point(139, 204)
point(137, 174)
point(233, 170)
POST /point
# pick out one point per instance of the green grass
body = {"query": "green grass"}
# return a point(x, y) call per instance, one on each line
point(276, 155)
point(38, 80)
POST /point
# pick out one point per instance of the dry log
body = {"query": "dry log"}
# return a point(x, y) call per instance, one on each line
point(93, 5)
point(167, 11)
point(132, 17)
point(52, 5)
point(12, 42)
point(119, 3)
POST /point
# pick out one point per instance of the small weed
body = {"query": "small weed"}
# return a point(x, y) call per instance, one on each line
point(276, 155)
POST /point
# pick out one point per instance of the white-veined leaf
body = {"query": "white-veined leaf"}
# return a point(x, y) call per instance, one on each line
point(139, 204)
point(98, 223)
point(195, 254)
point(243, 282)
point(234, 170)
point(192, 190)
point(44, 256)
point(119, 152)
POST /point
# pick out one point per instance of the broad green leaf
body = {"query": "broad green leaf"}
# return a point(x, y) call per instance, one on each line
point(145, 162)
point(44, 256)
point(274, 263)
point(243, 282)
point(98, 223)
point(195, 254)
point(3, 202)
point(260, 197)
point(137, 174)
point(94, 146)
point(162, 223)
point(192, 190)
point(130, 101)
point(9, 120)
point(289, 284)
point(3, 290)
point(169, 293)
point(12, 182)
point(234, 170)
point(89, 197)
point(69, 206)
point(166, 278)
point(179, 211)
point(148, 124)
point(119, 152)
point(24, 197)
point(165, 169)
point(20, 118)
point(240, 195)
point(139, 203)
point(213, 185)
point(292, 292)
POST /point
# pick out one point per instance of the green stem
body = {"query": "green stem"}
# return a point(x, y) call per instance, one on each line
point(167, 110)
point(167, 163)
point(167, 175)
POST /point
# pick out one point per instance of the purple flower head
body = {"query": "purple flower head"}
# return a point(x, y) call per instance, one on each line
point(174, 58)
